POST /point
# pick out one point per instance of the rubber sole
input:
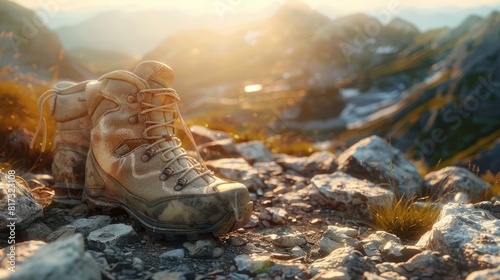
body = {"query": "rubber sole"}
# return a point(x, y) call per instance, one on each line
point(232, 220)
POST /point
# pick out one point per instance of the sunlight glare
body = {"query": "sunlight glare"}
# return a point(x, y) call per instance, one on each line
point(253, 88)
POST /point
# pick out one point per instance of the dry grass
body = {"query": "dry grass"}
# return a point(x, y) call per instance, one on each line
point(18, 119)
point(492, 193)
point(406, 218)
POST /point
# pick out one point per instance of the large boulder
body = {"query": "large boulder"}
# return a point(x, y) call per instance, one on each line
point(18, 207)
point(345, 193)
point(468, 233)
point(375, 160)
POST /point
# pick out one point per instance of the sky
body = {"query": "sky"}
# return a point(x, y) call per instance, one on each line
point(208, 6)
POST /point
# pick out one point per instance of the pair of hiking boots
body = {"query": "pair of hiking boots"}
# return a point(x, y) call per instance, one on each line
point(116, 147)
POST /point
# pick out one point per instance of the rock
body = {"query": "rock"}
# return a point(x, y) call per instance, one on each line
point(237, 241)
point(203, 249)
point(375, 160)
point(252, 265)
point(172, 275)
point(466, 233)
point(428, 265)
point(36, 231)
point(177, 254)
point(347, 194)
point(63, 259)
point(114, 254)
point(391, 251)
point(375, 241)
point(290, 240)
point(17, 204)
point(115, 234)
point(275, 215)
point(87, 225)
point(409, 251)
point(238, 276)
point(486, 274)
point(103, 264)
point(297, 252)
point(138, 264)
point(493, 209)
point(61, 233)
point(333, 275)
point(346, 260)
point(317, 163)
point(224, 148)
point(267, 170)
point(79, 210)
point(203, 135)
point(334, 238)
point(454, 179)
point(237, 169)
point(254, 151)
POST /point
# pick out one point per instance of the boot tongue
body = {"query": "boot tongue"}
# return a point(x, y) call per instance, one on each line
point(158, 75)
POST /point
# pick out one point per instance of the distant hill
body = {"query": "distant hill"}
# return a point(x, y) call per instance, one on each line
point(28, 46)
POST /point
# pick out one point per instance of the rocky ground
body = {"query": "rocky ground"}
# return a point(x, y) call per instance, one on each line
point(310, 221)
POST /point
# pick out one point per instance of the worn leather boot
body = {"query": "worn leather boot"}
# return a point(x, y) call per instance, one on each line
point(137, 161)
point(71, 139)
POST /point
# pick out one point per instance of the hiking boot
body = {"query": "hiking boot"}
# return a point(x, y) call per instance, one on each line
point(136, 160)
point(71, 139)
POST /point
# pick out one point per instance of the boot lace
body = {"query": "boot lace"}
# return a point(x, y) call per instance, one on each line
point(42, 123)
point(171, 107)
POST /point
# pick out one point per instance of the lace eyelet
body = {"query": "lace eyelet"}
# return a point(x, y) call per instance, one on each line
point(131, 98)
point(147, 155)
point(167, 172)
point(181, 183)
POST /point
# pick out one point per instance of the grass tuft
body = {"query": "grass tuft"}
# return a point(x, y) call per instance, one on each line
point(408, 219)
point(492, 193)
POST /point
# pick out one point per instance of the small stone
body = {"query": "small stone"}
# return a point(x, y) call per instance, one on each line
point(201, 249)
point(297, 251)
point(334, 238)
point(138, 264)
point(237, 241)
point(177, 254)
point(254, 151)
point(36, 231)
point(273, 214)
point(291, 240)
point(79, 210)
point(245, 263)
point(217, 253)
point(61, 233)
point(114, 234)
point(87, 225)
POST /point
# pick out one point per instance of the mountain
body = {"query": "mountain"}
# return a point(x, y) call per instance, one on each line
point(451, 115)
point(135, 32)
point(414, 83)
point(29, 46)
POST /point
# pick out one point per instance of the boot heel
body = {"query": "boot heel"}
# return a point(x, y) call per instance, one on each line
point(93, 181)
